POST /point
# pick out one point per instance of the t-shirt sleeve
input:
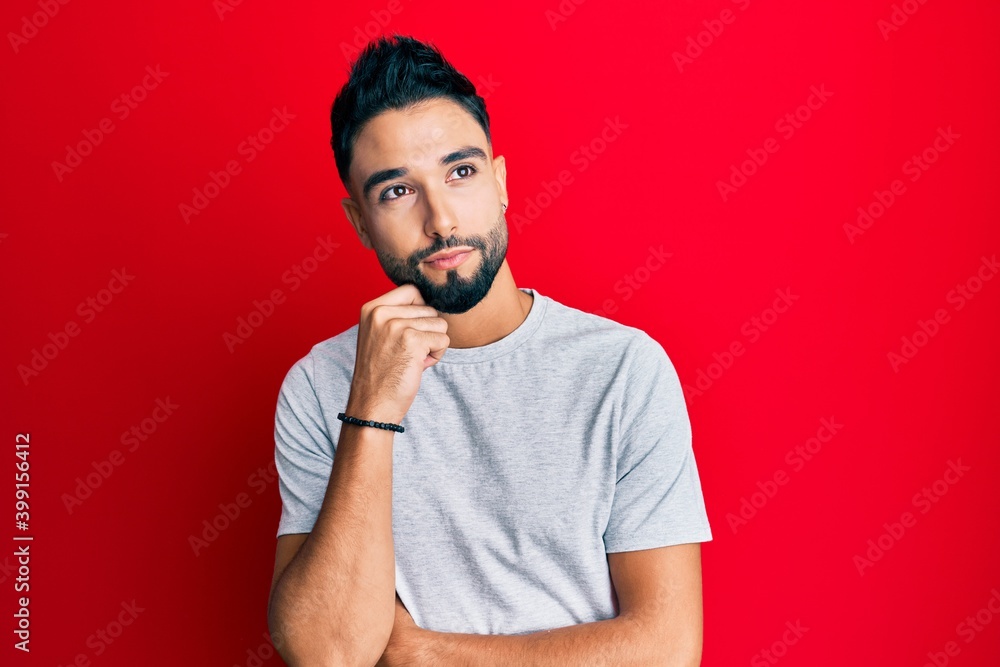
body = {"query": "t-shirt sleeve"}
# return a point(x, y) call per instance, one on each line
point(303, 452)
point(658, 499)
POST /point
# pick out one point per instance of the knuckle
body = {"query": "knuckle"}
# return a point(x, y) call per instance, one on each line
point(384, 317)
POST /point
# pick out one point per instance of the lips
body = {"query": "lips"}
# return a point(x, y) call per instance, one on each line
point(451, 261)
point(444, 254)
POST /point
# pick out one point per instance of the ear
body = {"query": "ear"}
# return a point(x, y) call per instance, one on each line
point(353, 213)
point(500, 175)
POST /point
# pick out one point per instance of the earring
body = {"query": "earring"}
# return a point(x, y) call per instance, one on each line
point(504, 206)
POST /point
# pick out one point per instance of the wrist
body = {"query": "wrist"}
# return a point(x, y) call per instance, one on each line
point(371, 410)
point(423, 646)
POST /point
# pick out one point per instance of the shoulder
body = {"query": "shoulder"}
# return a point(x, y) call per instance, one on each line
point(331, 359)
point(565, 324)
point(638, 359)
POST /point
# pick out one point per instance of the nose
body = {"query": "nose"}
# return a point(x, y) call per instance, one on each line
point(439, 219)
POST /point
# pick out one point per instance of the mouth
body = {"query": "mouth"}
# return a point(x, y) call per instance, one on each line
point(449, 261)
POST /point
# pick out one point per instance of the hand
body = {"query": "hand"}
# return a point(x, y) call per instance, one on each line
point(403, 648)
point(399, 337)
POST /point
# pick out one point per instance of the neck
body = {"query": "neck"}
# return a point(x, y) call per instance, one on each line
point(501, 311)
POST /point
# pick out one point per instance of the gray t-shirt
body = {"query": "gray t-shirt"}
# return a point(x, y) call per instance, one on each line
point(524, 462)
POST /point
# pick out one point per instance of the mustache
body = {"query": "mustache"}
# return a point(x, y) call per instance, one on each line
point(477, 242)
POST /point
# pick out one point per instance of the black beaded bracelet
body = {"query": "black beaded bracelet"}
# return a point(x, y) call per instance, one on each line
point(367, 422)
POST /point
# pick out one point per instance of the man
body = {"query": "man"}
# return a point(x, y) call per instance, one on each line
point(542, 504)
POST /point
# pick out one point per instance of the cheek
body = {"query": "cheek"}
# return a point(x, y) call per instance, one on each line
point(394, 246)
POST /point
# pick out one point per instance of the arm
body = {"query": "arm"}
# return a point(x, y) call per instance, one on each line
point(331, 604)
point(659, 624)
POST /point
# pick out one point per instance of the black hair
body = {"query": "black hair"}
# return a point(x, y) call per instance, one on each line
point(395, 73)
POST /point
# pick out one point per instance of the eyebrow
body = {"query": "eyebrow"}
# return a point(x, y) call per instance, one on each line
point(383, 175)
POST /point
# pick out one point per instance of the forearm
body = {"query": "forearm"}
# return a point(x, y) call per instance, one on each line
point(618, 642)
point(334, 601)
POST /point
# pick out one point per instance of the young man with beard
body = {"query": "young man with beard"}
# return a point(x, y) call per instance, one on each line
point(537, 501)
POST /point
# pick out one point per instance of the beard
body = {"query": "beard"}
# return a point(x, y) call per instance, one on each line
point(457, 294)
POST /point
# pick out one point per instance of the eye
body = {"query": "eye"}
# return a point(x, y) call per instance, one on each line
point(471, 170)
point(397, 191)
point(393, 189)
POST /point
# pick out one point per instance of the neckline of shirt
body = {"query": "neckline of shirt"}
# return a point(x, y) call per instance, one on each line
point(507, 344)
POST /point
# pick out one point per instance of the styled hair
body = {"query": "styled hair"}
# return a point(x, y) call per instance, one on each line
point(395, 73)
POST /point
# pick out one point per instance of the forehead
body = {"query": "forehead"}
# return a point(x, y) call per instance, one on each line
point(414, 138)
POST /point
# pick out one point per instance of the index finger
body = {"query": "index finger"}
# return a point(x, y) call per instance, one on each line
point(404, 295)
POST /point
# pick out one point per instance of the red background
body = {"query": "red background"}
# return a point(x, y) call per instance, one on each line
point(549, 86)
